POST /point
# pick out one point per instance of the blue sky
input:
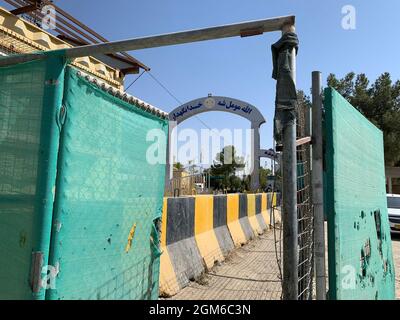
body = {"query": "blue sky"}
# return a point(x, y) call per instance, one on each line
point(242, 68)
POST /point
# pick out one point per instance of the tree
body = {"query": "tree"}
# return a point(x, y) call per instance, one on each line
point(303, 98)
point(246, 182)
point(178, 165)
point(235, 183)
point(264, 174)
point(379, 102)
point(224, 168)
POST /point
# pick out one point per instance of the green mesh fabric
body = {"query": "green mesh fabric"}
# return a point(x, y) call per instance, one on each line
point(75, 188)
point(21, 103)
point(359, 243)
point(30, 96)
point(105, 187)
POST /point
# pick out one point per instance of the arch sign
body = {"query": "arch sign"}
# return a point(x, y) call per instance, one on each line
point(223, 104)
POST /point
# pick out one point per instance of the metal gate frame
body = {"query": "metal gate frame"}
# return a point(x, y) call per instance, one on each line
point(305, 215)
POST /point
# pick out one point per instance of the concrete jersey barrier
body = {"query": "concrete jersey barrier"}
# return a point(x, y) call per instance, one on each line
point(198, 231)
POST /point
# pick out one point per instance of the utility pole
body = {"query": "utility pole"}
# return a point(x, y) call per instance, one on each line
point(289, 193)
point(317, 187)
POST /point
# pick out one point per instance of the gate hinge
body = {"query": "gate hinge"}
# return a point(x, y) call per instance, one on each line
point(36, 271)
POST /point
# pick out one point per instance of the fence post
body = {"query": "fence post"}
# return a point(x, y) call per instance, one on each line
point(317, 187)
point(289, 188)
point(47, 172)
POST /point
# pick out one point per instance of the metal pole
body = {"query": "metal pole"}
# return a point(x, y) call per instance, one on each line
point(255, 174)
point(390, 185)
point(317, 187)
point(289, 188)
point(243, 29)
point(171, 148)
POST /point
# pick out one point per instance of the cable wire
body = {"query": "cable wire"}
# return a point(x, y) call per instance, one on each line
point(175, 98)
point(126, 89)
point(278, 251)
point(164, 87)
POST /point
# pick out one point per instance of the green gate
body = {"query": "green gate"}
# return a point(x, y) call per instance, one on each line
point(359, 243)
point(79, 202)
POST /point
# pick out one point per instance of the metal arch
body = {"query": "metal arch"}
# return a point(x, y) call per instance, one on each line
point(269, 154)
point(223, 104)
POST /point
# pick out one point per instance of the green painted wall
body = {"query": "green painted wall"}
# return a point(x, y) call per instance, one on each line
point(359, 243)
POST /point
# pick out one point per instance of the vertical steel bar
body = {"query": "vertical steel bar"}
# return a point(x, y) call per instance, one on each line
point(317, 186)
point(390, 185)
point(289, 188)
point(255, 174)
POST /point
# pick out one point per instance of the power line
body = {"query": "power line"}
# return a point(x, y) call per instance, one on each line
point(164, 87)
point(257, 160)
point(175, 98)
point(168, 91)
point(135, 80)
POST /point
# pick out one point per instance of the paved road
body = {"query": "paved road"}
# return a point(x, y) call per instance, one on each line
point(251, 273)
point(396, 256)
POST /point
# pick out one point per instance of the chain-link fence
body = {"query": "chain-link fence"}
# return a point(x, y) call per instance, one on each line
point(304, 204)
